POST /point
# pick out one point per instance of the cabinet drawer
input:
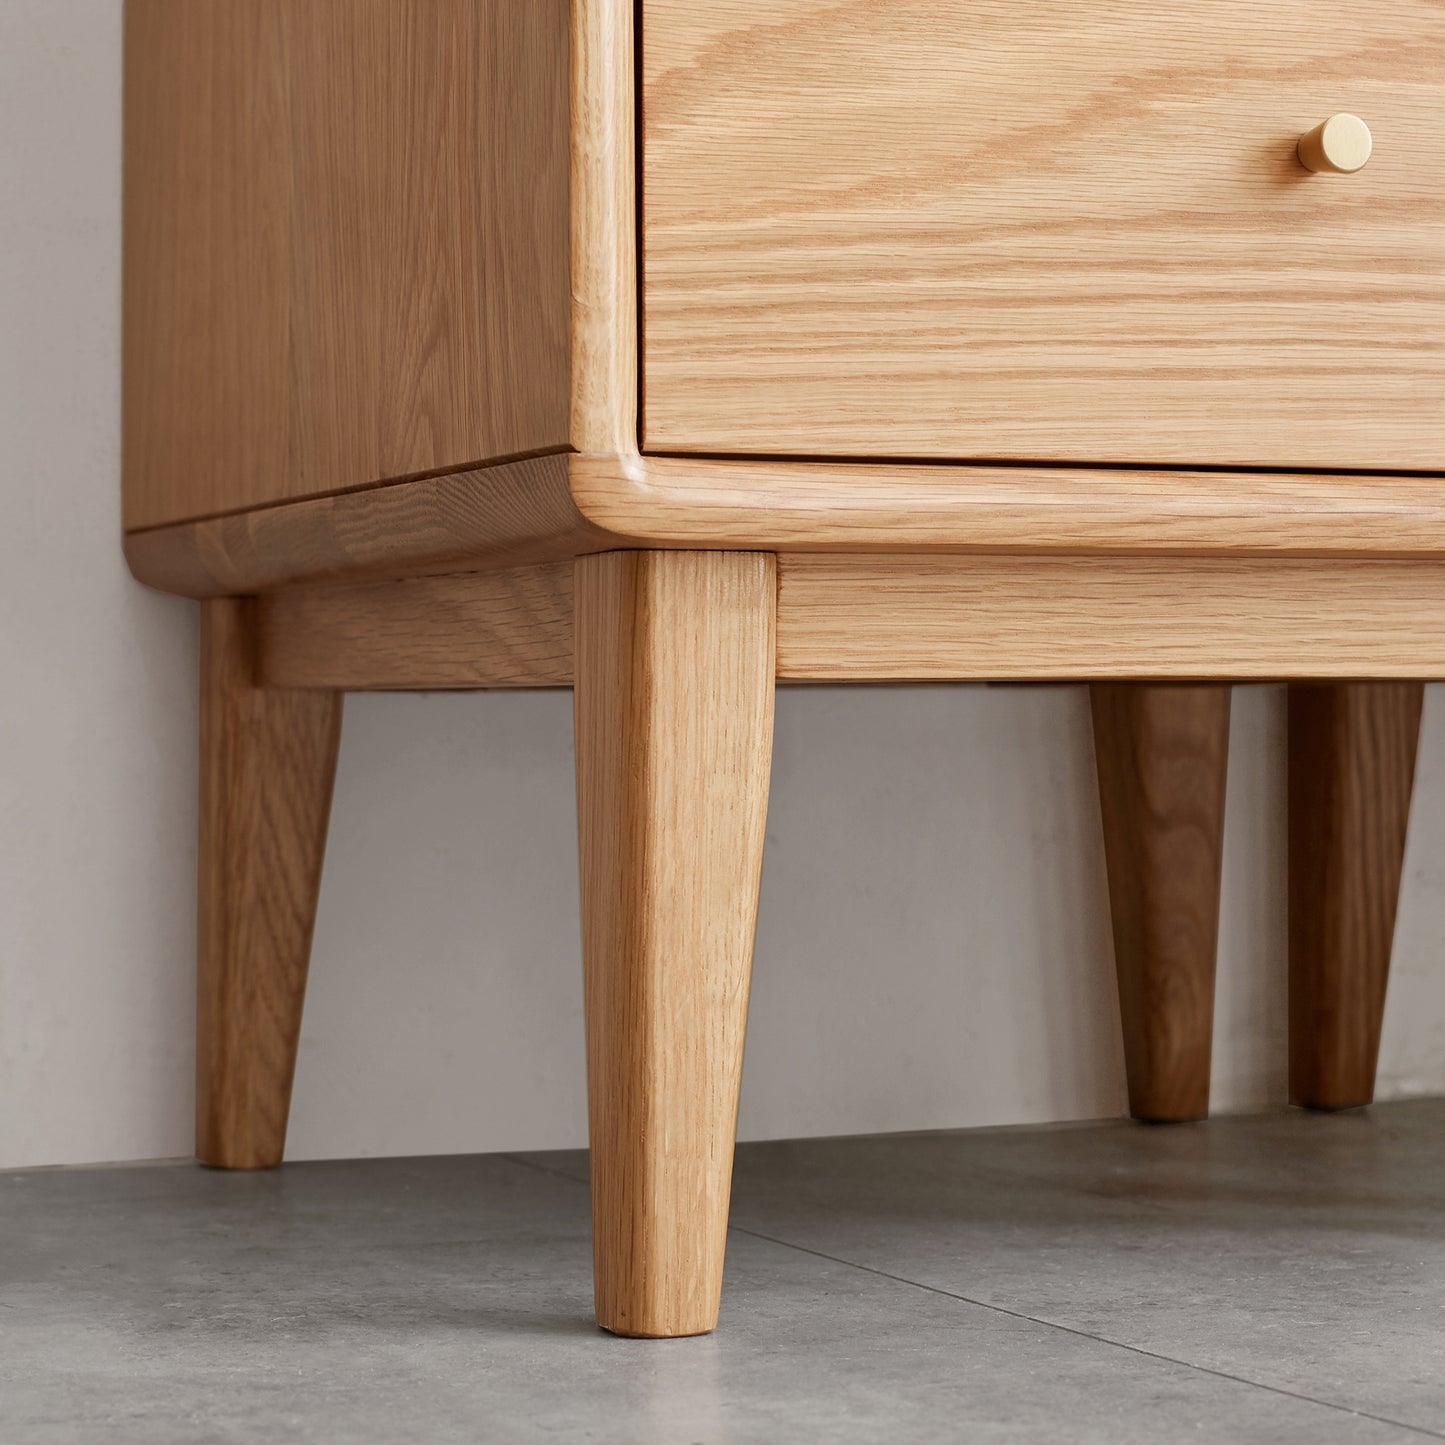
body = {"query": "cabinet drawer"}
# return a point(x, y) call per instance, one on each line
point(1072, 230)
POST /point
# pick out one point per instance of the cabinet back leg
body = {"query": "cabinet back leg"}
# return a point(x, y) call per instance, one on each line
point(1351, 773)
point(1162, 754)
point(675, 669)
point(268, 759)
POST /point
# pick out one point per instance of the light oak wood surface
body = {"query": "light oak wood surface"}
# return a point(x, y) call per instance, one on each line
point(848, 617)
point(674, 711)
point(1351, 773)
point(483, 629)
point(268, 759)
point(788, 506)
point(556, 506)
point(1141, 618)
point(1065, 232)
point(345, 244)
point(500, 516)
point(603, 229)
point(609, 496)
point(1162, 752)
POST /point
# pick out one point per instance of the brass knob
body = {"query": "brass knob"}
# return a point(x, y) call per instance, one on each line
point(1341, 143)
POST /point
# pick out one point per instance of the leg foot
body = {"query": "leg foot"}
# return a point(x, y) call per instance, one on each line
point(268, 757)
point(1162, 752)
point(1351, 771)
point(675, 672)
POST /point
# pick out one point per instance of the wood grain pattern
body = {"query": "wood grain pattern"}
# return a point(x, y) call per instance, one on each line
point(555, 506)
point(1162, 751)
point(1351, 772)
point(849, 616)
point(1121, 618)
point(604, 229)
point(511, 628)
point(674, 707)
point(268, 758)
point(501, 516)
point(346, 252)
point(838, 507)
point(935, 229)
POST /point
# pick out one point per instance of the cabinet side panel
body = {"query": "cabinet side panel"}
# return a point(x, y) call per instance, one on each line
point(346, 255)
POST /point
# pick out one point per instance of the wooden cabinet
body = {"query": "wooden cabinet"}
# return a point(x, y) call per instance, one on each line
point(674, 348)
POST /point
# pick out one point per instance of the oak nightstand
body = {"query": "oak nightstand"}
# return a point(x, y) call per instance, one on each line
point(668, 350)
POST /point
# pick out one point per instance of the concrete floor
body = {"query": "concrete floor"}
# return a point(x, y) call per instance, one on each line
point(1275, 1279)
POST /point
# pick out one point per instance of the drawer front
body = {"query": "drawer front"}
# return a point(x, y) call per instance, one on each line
point(1068, 230)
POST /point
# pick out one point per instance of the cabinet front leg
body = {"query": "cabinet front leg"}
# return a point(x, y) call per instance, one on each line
point(1351, 772)
point(675, 670)
point(268, 758)
point(1162, 751)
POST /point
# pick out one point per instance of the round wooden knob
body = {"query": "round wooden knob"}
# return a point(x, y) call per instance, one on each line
point(1341, 143)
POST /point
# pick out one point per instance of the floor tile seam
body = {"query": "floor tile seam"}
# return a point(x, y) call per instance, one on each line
point(1131, 1208)
point(526, 1163)
point(1000, 1173)
point(1036, 1320)
point(1096, 1339)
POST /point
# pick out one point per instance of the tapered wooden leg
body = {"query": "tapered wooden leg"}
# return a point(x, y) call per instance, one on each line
point(1162, 752)
point(674, 715)
point(1351, 771)
point(268, 757)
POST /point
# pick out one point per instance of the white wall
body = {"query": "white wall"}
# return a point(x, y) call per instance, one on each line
point(933, 948)
point(96, 674)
